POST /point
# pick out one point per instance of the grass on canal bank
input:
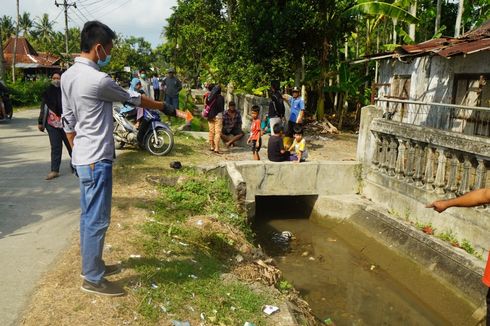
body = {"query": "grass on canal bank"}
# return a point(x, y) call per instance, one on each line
point(185, 248)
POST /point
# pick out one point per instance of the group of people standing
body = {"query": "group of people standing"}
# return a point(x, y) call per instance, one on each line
point(226, 125)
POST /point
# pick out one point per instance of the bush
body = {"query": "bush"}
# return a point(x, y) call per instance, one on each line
point(25, 93)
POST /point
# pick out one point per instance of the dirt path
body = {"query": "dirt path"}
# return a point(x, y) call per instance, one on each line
point(37, 217)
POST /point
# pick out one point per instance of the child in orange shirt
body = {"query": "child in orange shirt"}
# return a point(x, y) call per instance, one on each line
point(255, 133)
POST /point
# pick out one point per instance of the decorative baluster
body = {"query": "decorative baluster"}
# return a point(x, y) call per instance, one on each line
point(452, 181)
point(439, 182)
point(464, 186)
point(384, 154)
point(429, 169)
point(419, 154)
point(400, 160)
point(481, 174)
point(377, 152)
point(410, 162)
point(392, 156)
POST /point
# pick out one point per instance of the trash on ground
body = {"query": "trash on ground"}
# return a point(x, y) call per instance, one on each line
point(183, 244)
point(247, 323)
point(269, 310)
point(176, 165)
point(180, 323)
point(239, 258)
point(154, 286)
point(134, 256)
point(203, 316)
point(311, 258)
point(372, 267)
point(199, 223)
point(192, 276)
point(329, 322)
point(304, 254)
point(163, 308)
point(332, 239)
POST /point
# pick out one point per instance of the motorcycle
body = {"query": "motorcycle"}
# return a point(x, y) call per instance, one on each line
point(153, 134)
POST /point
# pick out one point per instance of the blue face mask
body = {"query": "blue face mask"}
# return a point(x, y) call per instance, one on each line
point(103, 63)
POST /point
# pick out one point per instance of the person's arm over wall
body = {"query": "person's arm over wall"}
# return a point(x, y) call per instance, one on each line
point(471, 199)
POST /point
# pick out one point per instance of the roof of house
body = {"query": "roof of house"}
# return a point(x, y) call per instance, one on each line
point(26, 56)
point(474, 41)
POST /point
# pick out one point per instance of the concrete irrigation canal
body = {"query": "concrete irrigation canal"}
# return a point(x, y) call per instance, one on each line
point(355, 260)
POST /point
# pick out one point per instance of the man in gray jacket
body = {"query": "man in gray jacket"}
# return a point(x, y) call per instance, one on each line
point(172, 86)
point(87, 97)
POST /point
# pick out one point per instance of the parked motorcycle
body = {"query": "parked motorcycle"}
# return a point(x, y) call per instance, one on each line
point(153, 134)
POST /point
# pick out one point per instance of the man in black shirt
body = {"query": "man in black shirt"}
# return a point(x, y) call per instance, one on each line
point(275, 148)
point(276, 105)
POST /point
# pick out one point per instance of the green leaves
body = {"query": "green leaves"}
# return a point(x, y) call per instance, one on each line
point(375, 8)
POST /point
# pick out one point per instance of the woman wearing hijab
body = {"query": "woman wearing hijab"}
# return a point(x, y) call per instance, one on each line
point(50, 120)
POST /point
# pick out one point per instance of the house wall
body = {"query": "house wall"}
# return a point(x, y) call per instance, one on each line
point(432, 80)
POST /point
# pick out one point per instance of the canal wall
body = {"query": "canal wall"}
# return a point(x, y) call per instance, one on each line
point(339, 191)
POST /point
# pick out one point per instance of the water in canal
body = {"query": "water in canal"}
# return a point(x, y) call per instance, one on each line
point(350, 277)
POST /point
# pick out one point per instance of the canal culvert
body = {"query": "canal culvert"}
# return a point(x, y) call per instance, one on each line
point(346, 275)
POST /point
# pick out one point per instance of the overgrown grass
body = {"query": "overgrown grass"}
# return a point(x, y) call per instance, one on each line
point(180, 273)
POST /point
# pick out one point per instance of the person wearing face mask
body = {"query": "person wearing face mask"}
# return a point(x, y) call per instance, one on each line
point(50, 120)
point(145, 84)
point(87, 97)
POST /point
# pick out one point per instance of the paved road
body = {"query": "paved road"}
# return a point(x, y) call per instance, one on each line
point(37, 217)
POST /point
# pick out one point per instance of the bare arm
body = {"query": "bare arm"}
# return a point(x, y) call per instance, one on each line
point(71, 137)
point(471, 199)
point(147, 102)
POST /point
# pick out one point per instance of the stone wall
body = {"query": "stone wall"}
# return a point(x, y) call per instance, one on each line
point(407, 166)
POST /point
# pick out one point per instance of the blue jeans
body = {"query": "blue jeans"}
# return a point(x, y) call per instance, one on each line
point(95, 204)
point(172, 100)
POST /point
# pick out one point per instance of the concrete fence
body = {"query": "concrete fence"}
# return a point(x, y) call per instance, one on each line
point(406, 166)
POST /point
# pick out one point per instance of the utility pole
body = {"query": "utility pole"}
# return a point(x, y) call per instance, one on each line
point(66, 5)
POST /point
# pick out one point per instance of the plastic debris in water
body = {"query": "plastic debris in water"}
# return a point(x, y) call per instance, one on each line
point(269, 310)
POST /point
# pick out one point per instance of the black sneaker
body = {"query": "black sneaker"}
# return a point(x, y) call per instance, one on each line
point(109, 270)
point(104, 288)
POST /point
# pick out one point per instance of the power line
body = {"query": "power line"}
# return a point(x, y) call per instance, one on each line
point(112, 11)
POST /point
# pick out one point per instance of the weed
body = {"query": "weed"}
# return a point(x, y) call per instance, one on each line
point(284, 286)
point(449, 237)
point(466, 246)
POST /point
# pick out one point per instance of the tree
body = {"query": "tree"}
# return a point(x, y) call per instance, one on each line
point(459, 17)
point(25, 24)
point(438, 16)
point(7, 27)
point(43, 31)
point(14, 55)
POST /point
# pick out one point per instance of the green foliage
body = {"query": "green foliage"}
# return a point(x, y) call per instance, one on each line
point(376, 8)
point(180, 273)
point(284, 286)
point(28, 92)
point(450, 237)
point(134, 52)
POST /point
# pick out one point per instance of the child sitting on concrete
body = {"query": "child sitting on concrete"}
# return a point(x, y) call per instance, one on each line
point(255, 133)
point(275, 147)
point(299, 146)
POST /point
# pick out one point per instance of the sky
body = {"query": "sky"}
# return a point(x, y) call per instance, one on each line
point(140, 18)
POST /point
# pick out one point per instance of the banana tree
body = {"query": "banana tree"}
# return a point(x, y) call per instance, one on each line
point(375, 12)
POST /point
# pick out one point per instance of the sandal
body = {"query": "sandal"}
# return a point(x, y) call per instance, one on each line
point(218, 152)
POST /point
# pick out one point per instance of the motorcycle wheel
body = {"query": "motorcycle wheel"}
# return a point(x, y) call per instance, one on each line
point(160, 145)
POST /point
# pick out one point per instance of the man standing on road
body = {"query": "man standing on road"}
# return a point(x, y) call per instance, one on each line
point(87, 97)
point(172, 86)
point(155, 81)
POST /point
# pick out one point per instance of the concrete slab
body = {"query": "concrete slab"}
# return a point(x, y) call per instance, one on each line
point(37, 217)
